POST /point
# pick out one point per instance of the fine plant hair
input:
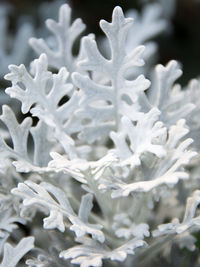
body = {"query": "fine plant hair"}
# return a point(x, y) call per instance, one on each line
point(103, 169)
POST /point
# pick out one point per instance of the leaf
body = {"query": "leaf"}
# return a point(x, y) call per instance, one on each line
point(7, 222)
point(46, 260)
point(103, 105)
point(147, 25)
point(18, 132)
point(189, 220)
point(125, 227)
point(34, 87)
point(13, 255)
point(78, 168)
point(142, 138)
point(169, 169)
point(190, 95)
point(58, 207)
point(163, 94)
point(2, 241)
point(65, 35)
point(44, 91)
point(91, 253)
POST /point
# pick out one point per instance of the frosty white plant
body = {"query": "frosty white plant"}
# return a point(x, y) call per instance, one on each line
point(107, 163)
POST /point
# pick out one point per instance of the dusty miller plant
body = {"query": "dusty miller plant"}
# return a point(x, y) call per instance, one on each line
point(108, 172)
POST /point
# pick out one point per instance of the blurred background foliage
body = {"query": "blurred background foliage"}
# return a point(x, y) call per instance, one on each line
point(182, 43)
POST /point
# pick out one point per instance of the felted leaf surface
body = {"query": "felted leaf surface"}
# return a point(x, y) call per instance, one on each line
point(102, 105)
point(189, 220)
point(79, 168)
point(12, 255)
point(141, 136)
point(169, 170)
point(59, 208)
point(147, 25)
point(18, 132)
point(64, 34)
point(44, 91)
point(125, 227)
point(91, 253)
point(163, 94)
point(7, 222)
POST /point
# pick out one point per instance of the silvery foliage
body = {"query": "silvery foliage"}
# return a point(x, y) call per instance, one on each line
point(150, 22)
point(105, 164)
point(59, 50)
point(13, 49)
point(12, 256)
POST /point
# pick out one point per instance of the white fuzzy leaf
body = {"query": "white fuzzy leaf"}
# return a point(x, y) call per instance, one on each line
point(147, 25)
point(34, 86)
point(18, 132)
point(3, 239)
point(104, 104)
point(8, 222)
point(45, 90)
point(40, 195)
point(12, 255)
point(141, 136)
point(169, 170)
point(124, 227)
point(163, 94)
point(64, 36)
point(189, 220)
point(91, 253)
point(79, 168)
point(46, 260)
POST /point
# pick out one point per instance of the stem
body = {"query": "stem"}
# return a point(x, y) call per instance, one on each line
point(116, 102)
point(105, 203)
